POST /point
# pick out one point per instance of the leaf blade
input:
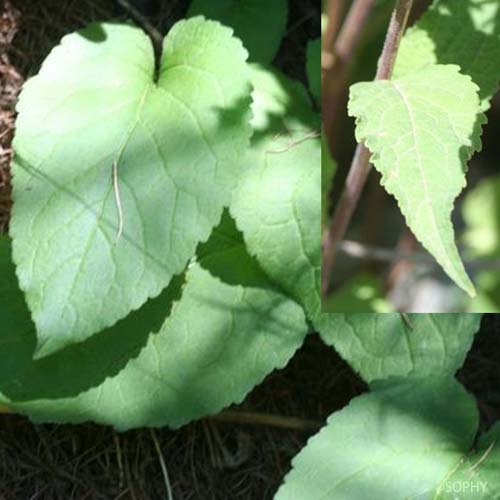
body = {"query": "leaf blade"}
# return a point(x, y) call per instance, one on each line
point(421, 131)
point(177, 161)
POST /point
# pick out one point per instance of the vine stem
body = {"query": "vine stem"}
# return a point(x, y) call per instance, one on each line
point(360, 166)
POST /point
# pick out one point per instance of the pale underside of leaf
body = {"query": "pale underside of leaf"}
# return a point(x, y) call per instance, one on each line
point(421, 130)
point(175, 145)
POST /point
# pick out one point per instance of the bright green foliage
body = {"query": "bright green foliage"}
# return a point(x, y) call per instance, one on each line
point(176, 144)
point(362, 294)
point(477, 476)
point(422, 129)
point(398, 442)
point(278, 202)
point(259, 23)
point(481, 213)
point(228, 327)
point(314, 68)
point(462, 32)
point(379, 346)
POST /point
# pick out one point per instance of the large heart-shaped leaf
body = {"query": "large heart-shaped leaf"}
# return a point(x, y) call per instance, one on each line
point(260, 24)
point(97, 136)
point(277, 204)
point(402, 441)
point(379, 346)
point(227, 327)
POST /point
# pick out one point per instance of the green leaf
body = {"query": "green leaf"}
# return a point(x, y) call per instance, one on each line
point(363, 294)
point(398, 442)
point(462, 32)
point(421, 130)
point(260, 24)
point(477, 476)
point(378, 346)
point(277, 204)
point(219, 340)
point(176, 144)
point(314, 68)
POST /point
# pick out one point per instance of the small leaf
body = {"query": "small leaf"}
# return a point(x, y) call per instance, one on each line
point(378, 346)
point(398, 442)
point(220, 339)
point(277, 204)
point(260, 24)
point(176, 146)
point(422, 129)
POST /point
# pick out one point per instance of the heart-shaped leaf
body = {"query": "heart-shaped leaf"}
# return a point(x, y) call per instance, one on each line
point(118, 178)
